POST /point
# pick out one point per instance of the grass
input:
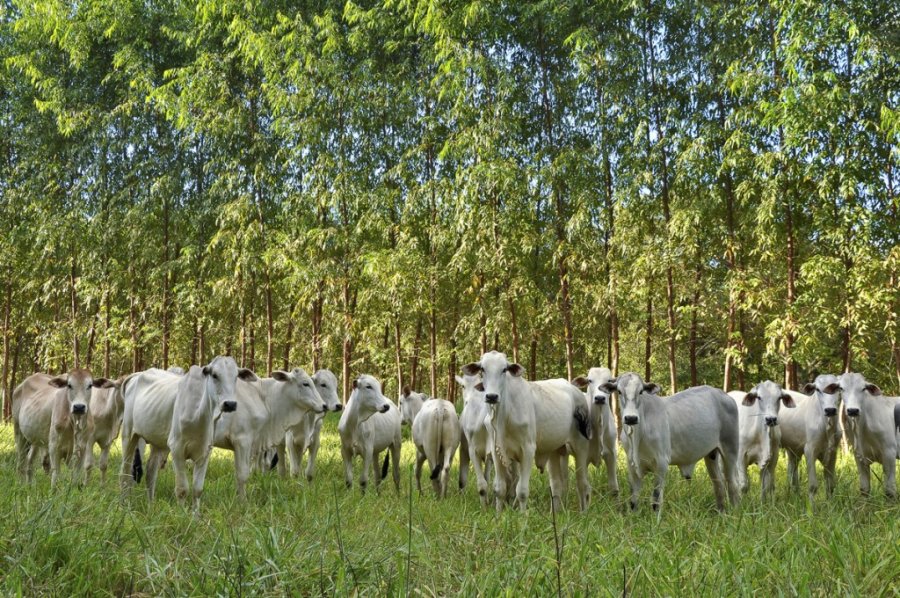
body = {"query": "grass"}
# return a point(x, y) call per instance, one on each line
point(299, 538)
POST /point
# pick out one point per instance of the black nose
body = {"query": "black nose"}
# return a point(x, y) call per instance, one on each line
point(491, 398)
point(830, 411)
point(600, 400)
point(79, 409)
point(338, 407)
point(631, 420)
point(771, 421)
point(324, 407)
point(853, 412)
point(229, 406)
point(385, 409)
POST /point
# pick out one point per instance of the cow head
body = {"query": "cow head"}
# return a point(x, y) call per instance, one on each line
point(301, 390)
point(220, 378)
point(472, 387)
point(78, 384)
point(326, 384)
point(827, 390)
point(769, 397)
point(593, 385)
point(855, 391)
point(496, 372)
point(367, 396)
point(410, 405)
point(631, 388)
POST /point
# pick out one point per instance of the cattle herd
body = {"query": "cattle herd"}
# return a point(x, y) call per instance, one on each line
point(507, 426)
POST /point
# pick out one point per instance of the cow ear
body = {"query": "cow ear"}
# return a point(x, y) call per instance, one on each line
point(809, 388)
point(788, 400)
point(472, 369)
point(103, 383)
point(515, 369)
point(206, 370)
point(873, 390)
point(749, 399)
point(832, 388)
point(479, 387)
point(59, 381)
point(651, 388)
point(581, 382)
point(610, 385)
point(247, 375)
point(280, 375)
point(460, 380)
point(406, 391)
point(354, 385)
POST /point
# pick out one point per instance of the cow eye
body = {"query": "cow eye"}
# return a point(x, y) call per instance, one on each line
point(306, 384)
point(369, 386)
point(69, 384)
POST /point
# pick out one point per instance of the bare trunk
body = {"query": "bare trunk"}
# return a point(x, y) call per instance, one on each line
point(790, 368)
point(5, 383)
point(432, 329)
point(11, 381)
point(515, 330)
point(92, 337)
point(566, 308)
point(201, 344)
point(414, 362)
point(132, 322)
point(289, 335)
point(532, 362)
point(648, 339)
point(698, 274)
point(165, 292)
point(398, 351)
point(452, 367)
point(251, 327)
point(270, 325)
point(74, 296)
point(106, 326)
point(317, 325)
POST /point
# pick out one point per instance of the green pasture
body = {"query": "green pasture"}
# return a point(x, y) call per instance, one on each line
point(296, 538)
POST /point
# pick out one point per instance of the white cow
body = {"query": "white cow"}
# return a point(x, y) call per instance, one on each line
point(760, 434)
point(266, 408)
point(534, 422)
point(370, 424)
point(811, 430)
point(696, 423)
point(435, 432)
point(204, 394)
point(105, 412)
point(137, 467)
point(603, 444)
point(51, 414)
point(306, 434)
point(477, 438)
point(410, 405)
point(873, 424)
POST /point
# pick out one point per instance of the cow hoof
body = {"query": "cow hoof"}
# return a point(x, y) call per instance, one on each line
point(309, 478)
point(633, 505)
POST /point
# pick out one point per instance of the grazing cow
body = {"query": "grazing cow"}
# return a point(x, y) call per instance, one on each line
point(369, 424)
point(410, 405)
point(760, 433)
point(306, 434)
point(266, 408)
point(534, 422)
point(137, 468)
point(603, 444)
point(696, 423)
point(435, 432)
point(811, 430)
point(873, 426)
point(203, 395)
point(51, 414)
point(105, 413)
point(477, 438)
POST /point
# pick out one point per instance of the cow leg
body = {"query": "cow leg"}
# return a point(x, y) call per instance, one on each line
point(347, 456)
point(635, 481)
point(863, 467)
point(314, 441)
point(155, 460)
point(368, 458)
point(525, 475)
point(54, 458)
point(296, 454)
point(200, 467)
point(554, 470)
point(241, 469)
point(612, 479)
point(715, 475)
point(464, 458)
point(582, 480)
point(659, 484)
point(500, 479)
point(812, 480)
point(22, 449)
point(88, 462)
point(563, 457)
point(179, 466)
point(479, 470)
point(395, 463)
point(104, 462)
point(828, 469)
point(889, 467)
point(792, 470)
point(420, 459)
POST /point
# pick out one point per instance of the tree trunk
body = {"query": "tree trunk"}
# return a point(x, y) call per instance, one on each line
point(132, 321)
point(398, 351)
point(165, 290)
point(289, 335)
point(532, 361)
point(270, 325)
point(790, 370)
point(11, 381)
point(317, 325)
point(251, 327)
point(515, 329)
point(698, 276)
point(452, 388)
point(432, 333)
point(648, 339)
point(106, 326)
point(74, 296)
point(5, 383)
point(414, 362)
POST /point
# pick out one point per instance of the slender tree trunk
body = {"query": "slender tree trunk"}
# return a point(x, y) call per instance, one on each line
point(347, 345)
point(74, 296)
point(201, 344)
point(7, 376)
point(243, 312)
point(11, 381)
point(270, 325)
point(432, 333)
point(698, 276)
point(648, 338)
point(251, 327)
point(289, 335)
point(165, 292)
point(132, 320)
point(92, 336)
point(414, 361)
point(515, 329)
point(317, 325)
point(398, 351)
point(106, 331)
point(790, 372)
point(532, 360)
point(453, 366)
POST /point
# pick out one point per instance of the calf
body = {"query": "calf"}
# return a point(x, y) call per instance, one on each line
point(51, 414)
point(266, 408)
point(697, 423)
point(306, 434)
point(760, 435)
point(477, 438)
point(105, 412)
point(811, 430)
point(203, 395)
point(873, 426)
point(534, 422)
point(603, 444)
point(410, 405)
point(370, 424)
point(435, 432)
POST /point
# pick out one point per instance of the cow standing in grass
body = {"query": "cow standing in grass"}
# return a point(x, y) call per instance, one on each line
point(435, 432)
point(534, 422)
point(603, 444)
point(107, 405)
point(477, 438)
point(306, 435)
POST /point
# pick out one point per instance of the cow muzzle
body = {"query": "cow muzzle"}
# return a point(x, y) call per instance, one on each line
point(631, 420)
point(853, 412)
point(384, 409)
point(830, 411)
point(79, 409)
point(771, 421)
point(229, 406)
point(600, 400)
point(338, 407)
point(491, 398)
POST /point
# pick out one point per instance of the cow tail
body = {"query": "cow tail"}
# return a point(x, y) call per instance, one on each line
point(583, 419)
point(438, 465)
point(137, 468)
point(385, 464)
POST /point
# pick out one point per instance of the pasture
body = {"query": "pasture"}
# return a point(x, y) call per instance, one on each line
point(297, 538)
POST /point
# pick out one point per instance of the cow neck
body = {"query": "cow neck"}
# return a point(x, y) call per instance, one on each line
point(282, 413)
point(513, 402)
point(206, 404)
point(354, 416)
